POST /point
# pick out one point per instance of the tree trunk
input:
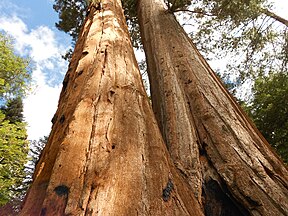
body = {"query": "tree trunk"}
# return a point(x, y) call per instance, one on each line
point(227, 162)
point(105, 154)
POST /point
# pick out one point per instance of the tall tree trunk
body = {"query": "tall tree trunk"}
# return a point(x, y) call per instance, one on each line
point(227, 162)
point(105, 154)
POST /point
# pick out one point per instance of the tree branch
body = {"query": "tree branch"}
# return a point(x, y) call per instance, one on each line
point(190, 11)
point(275, 16)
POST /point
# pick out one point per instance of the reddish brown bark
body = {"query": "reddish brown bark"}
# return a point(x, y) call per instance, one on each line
point(229, 165)
point(105, 154)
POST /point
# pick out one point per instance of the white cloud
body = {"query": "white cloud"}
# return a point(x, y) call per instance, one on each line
point(39, 109)
point(40, 42)
point(41, 46)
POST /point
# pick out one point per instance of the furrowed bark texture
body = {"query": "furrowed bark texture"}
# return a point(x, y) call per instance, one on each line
point(105, 154)
point(228, 164)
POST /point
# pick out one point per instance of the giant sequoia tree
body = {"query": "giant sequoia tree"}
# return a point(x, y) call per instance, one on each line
point(211, 141)
point(105, 154)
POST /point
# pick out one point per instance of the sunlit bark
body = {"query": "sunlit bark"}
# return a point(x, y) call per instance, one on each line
point(105, 154)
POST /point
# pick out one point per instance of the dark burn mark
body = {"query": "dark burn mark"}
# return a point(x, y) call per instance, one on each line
point(202, 151)
point(268, 171)
point(87, 12)
point(54, 119)
point(43, 212)
point(62, 119)
point(113, 146)
point(252, 202)
point(202, 148)
point(84, 53)
point(61, 190)
point(80, 72)
point(97, 6)
point(167, 190)
point(110, 96)
point(65, 82)
point(217, 200)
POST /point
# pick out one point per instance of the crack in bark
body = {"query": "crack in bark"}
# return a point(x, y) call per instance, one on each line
point(239, 144)
point(275, 203)
point(108, 130)
point(215, 149)
point(234, 135)
point(143, 164)
point(274, 176)
point(89, 211)
point(105, 58)
point(179, 202)
point(88, 157)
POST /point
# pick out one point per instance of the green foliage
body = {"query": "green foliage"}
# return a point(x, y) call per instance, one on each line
point(130, 12)
point(13, 156)
point(14, 205)
point(13, 110)
point(174, 5)
point(71, 16)
point(14, 73)
point(255, 42)
point(269, 110)
point(14, 81)
point(73, 13)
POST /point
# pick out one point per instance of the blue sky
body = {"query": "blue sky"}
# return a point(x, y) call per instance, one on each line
point(32, 25)
point(34, 12)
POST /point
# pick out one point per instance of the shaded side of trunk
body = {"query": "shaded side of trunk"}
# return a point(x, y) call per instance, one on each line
point(105, 154)
point(226, 161)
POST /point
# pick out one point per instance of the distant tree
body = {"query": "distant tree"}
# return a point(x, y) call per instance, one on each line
point(245, 31)
point(13, 206)
point(36, 147)
point(269, 110)
point(13, 110)
point(14, 71)
point(13, 156)
point(14, 81)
